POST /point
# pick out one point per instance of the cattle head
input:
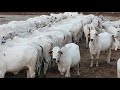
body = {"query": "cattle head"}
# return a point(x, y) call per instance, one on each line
point(75, 41)
point(56, 54)
point(115, 44)
point(15, 33)
point(93, 35)
point(81, 14)
point(3, 40)
point(102, 18)
point(55, 17)
point(117, 34)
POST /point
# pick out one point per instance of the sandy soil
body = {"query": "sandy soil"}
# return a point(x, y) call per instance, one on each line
point(104, 70)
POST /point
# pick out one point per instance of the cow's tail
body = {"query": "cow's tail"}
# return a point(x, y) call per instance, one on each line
point(39, 61)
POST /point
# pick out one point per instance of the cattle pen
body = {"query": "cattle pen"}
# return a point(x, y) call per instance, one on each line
point(104, 70)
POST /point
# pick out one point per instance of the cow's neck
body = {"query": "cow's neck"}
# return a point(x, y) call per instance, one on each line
point(62, 57)
point(95, 43)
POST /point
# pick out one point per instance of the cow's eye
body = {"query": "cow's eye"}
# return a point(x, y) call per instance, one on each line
point(118, 31)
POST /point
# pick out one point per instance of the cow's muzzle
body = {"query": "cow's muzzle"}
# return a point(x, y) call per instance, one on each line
point(54, 59)
point(91, 39)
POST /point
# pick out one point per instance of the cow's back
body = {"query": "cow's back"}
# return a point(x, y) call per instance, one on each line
point(105, 40)
point(18, 56)
point(73, 53)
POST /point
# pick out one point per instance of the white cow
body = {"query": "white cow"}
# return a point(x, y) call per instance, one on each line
point(13, 59)
point(74, 26)
point(116, 45)
point(65, 58)
point(103, 18)
point(86, 30)
point(97, 22)
point(47, 42)
point(86, 19)
point(107, 24)
point(100, 42)
point(70, 14)
point(116, 32)
point(10, 35)
point(111, 29)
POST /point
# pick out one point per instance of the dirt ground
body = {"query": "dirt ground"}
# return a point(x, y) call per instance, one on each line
point(104, 70)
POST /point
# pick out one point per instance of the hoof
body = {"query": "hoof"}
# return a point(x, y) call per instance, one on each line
point(62, 76)
point(91, 65)
point(67, 77)
point(78, 75)
point(108, 62)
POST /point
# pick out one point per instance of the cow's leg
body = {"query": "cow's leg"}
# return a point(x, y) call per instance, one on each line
point(72, 39)
point(53, 64)
point(80, 37)
point(97, 57)
point(109, 55)
point(106, 54)
point(83, 35)
point(2, 74)
point(119, 45)
point(86, 42)
point(78, 72)
point(118, 73)
point(68, 72)
point(62, 74)
point(91, 65)
point(45, 68)
point(32, 72)
point(28, 74)
point(2, 69)
point(50, 64)
point(15, 73)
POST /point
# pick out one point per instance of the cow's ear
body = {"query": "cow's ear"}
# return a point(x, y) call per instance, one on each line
point(10, 33)
point(60, 52)
point(89, 29)
point(89, 34)
point(96, 34)
point(50, 52)
point(113, 38)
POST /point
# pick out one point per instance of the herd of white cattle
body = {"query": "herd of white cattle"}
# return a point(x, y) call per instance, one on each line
point(46, 40)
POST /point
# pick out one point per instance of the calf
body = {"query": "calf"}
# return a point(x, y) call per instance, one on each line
point(100, 42)
point(65, 58)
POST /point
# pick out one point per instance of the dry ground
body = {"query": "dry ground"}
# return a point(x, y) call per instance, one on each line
point(104, 70)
